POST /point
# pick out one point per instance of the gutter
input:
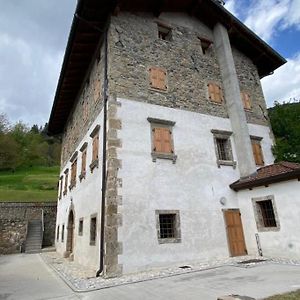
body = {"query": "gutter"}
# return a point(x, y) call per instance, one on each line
point(101, 267)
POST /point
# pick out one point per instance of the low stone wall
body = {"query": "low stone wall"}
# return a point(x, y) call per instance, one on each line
point(13, 224)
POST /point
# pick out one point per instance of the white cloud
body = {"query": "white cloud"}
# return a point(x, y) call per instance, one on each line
point(231, 6)
point(284, 84)
point(293, 15)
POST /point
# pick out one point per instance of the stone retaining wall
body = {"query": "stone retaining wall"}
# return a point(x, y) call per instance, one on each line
point(13, 224)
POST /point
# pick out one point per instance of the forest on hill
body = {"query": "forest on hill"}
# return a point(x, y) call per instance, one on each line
point(22, 146)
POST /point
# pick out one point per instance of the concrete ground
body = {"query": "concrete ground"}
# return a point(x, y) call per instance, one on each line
point(26, 276)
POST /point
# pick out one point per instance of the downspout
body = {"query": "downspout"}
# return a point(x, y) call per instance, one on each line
point(105, 90)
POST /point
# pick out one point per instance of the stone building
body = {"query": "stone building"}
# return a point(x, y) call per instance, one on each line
point(160, 109)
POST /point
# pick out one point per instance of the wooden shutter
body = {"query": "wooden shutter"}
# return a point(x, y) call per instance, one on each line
point(83, 162)
point(246, 100)
point(66, 182)
point(95, 147)
point(215, 93)
point(162, 140)
point(257, 153)
point(97, 87)
point(74, 171)
point(158, 78)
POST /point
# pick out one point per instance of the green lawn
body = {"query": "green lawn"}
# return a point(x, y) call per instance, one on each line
point(31, 184)
point(289, 296)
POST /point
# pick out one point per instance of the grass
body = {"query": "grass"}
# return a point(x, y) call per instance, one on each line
point(36, 184)
point(289, 296)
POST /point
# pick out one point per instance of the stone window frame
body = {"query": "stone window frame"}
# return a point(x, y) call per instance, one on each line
point(57, 233)
point(159, 123)
point(63, 233)
point(177, 238)
point(257, 140)
point(95, 161)
point(83, 149)
point(80, 227)
point(164, 30)
point(226, 135)
point(74, 166)
point(258, 216)
point(93, 242)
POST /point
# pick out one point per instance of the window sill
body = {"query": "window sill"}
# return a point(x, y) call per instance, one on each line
point(94, 164)
point(231, 163)
point(268, 229)
point(169, 241)
point(158, 90)
point(92, 243)
point(170, 156)
point(82, 176)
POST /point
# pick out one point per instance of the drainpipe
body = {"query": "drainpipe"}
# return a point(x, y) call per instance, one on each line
point(105, 90)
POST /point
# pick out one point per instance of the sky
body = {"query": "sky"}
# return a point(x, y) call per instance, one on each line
point(34, 33)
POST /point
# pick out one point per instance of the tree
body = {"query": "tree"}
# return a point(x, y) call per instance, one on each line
point(4, 124)
point(285, 121)
point(10, 157)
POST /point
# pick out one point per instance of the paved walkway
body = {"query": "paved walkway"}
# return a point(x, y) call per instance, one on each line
point(28, 277)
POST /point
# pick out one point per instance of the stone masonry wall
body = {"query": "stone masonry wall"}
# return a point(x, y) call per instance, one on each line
point(135, 47)
point(85, 110)
point(13, 224)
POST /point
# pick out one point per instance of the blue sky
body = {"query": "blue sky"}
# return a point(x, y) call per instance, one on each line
point(33, 37)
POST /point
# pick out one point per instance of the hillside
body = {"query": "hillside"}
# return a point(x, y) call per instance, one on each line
point(35, 184)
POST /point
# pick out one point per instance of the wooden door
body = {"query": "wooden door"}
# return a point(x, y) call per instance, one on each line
point(235, 233)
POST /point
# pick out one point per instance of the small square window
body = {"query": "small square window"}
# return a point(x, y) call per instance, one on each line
point(80, 227)
point(223, 148)
point(265, 214)
point(205, 44)
point(168, 226)
point(164, 32)
point(57, 233)
point(93, 231)
point(63, 233)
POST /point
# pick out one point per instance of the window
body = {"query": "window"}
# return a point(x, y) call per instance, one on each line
point(83, 150)
point(223, 148)
point(60, 187)
point(265, 213)
point(95, 148)
point(246, 100)
point(158, 78)
point(93, 230)
point(73, 174)
point(162, 139)
point(168, 226)
point(205, 44)
point(80, 227)
point(257, 150)
point(215, 93)
point(62, 233)
point(164, 32)
point(97, 90)
point(57, 233)
point(66, 181)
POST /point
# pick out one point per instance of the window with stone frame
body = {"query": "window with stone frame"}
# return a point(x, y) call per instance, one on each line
point(63, 233)
point(246, 100)
point(257, 150)
point(158, 79)
point(83, 151)
point(57, 233)
point(73, 170)
point(66, 182)
point(93, 230)
point(223, 148)
point(215, 93)
point(168, 226)
point(60, 187)
point(80, 227)
point(265, 213)
point(205, 44)
point(162, 142)
point(164, 32)
point(95, 148)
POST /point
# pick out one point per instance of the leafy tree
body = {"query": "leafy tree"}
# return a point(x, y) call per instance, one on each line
point(10, 157)
point(4, 123)
point(285, 121)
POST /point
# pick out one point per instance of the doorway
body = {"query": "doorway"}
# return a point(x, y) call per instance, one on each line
point(70, 233)
point(235, 233)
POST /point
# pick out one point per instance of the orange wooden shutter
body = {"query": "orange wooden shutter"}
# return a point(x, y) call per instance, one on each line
point(95, 147)
point(83, 162)
point(162, 140)
point(257, 153)
point(158, 78)
point(215, 93)
point(246, 100)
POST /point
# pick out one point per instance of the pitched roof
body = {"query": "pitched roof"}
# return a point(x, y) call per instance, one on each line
point(277, 172)
point(90, 20)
